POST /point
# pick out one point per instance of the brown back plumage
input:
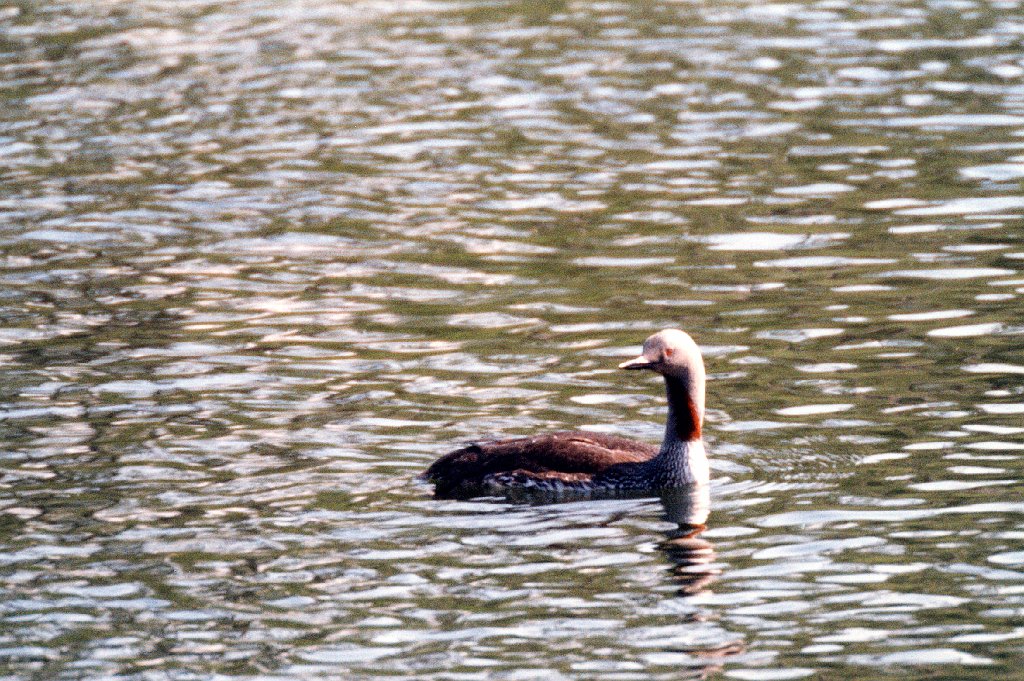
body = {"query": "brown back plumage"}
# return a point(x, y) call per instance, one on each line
point(586, 454)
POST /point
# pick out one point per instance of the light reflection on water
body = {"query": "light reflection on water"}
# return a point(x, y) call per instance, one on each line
point(262, 262)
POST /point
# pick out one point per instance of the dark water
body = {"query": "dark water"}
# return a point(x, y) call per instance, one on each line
point(263, 261)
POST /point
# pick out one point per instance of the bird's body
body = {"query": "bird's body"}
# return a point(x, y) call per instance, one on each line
point(545, 461)
point(594, 463)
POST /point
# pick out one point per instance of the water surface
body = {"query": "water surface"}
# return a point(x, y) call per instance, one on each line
point(263, 261)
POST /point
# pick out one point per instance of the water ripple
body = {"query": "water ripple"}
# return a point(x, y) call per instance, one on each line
point(264, 261)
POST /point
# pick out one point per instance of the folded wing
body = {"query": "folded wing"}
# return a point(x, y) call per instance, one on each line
point(577, 455)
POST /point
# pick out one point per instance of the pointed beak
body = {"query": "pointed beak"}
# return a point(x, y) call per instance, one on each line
point(640, 362)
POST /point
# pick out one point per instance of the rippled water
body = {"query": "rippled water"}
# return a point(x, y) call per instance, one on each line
point(263, 261)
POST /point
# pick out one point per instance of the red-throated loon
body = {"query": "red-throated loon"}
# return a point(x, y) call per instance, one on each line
point(587, 463)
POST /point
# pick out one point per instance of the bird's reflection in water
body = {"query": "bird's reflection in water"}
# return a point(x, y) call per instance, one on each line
point(691, 555)
point(692, 558)
point(693, 568)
